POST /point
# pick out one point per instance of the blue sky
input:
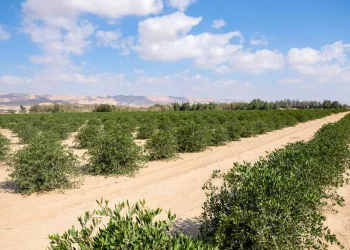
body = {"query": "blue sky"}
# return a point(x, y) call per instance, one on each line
point(218, 49)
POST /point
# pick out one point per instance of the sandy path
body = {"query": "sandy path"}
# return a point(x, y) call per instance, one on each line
point(25, 222)
point(13, 139)
point(339, 223)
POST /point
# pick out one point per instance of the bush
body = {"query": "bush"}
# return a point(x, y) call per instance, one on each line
point(62, 130)
point(25, 132)
point(94, 121)
point(219, 135)
point(277, 202)
point(4, 147)
point(162, 145)
point(234, 131)
point(136, 229)
point(248, 131)
point(87, 136)
point(192, 137)
point(261, 127)
point(115, 153)
point(44, 165)
point(103, 108)
point(146, 130)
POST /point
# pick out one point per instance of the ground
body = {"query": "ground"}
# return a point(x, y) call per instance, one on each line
point(25, 222)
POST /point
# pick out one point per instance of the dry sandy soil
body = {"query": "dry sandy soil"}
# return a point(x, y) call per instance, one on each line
point(25, 222)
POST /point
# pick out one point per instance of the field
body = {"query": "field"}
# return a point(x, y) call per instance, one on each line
point(178, 153)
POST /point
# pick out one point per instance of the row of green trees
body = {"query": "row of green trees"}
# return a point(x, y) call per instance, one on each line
point(258, 104)
point(255, 104)
point(276, 203)
point(109, 138)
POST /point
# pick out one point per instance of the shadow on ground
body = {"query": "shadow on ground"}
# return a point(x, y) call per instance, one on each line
point(7, 186)
point(188, 227)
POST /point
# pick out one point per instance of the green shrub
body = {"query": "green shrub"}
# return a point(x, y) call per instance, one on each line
point(62, 130)
point(115, 153)
point(277, 202)
point(261, 127)
point(234, 131)
point(103, 108)
point(94, 121)
point(111, 125)
point(25, 132)
point(44, 165)
point(87, 136)
point(162, 145)
point(248, 131)
point(192, 137)
point(135, 228)
point(146, 130)
point(219, 135)
point(4, 147)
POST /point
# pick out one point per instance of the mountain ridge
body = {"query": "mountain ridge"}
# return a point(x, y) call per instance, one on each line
point(16, 99)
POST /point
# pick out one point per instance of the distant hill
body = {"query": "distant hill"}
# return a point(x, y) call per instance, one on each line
point(13, 100)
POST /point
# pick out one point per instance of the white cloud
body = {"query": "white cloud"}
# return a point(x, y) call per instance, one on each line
point(253, 62)
point(12, 80)
point(173, 85)
point(3, 34)
point(223, 69)
point(218, 24)
point(115, 40)
point(181, 4)
point(58, 27)
point(330, 63)
point(221, 88)
point(112, 22)
point(139, 71)
point(43, 9)
point(166, 38)
point(259, 40)
point(296, 80)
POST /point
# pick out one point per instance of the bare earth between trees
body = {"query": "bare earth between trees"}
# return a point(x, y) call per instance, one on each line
point(25, 222)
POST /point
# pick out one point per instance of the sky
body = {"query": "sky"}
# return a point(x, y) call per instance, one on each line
point(222, 49)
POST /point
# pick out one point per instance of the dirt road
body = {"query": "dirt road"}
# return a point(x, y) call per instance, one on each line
point(25, 222)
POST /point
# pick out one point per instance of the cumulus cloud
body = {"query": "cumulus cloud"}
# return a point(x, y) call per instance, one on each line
point(58, 29)
point(3, 34)
point(114, 39)
point(257, 62)
point(166, 38)
point(70, 9)
point(295, 80)
point(13, 80)
point(259, 40)
point(218, 24)
point(175, 85)
point(139, 71)
point(331, 62)
point(253, 62)
point(181, 4)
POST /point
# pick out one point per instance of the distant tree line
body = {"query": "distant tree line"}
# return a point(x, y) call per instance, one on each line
point(258, 104)
point(255, 104)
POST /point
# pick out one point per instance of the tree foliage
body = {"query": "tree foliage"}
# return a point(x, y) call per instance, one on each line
point(162, 145)
point(277, 202)
point(103, 108)
point(135, 228)
point(44, 165)
point(192, 137)
point(115, 153)
point(4, 147)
